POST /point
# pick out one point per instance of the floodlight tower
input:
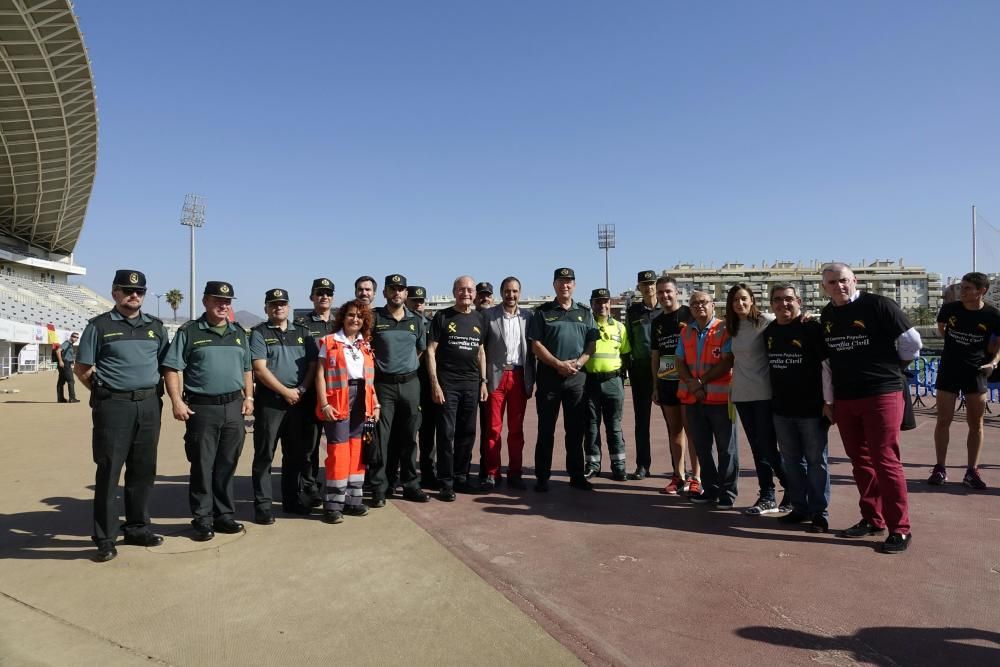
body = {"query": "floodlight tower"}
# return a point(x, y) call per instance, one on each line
point(193, 216)
point(606, 241)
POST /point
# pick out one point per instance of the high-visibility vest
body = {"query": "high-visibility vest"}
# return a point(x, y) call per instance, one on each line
point(717, 391)
point(611, 344)
point(336, 376)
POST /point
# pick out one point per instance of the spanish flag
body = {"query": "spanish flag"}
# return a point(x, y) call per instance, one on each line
point(53, 337)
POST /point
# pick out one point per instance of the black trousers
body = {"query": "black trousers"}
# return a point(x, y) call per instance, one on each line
point(312, 485)
point(213, 442)
point(428, 426)
point(641, 378)
point(274, 420)
point(125, 434)
point(552, 392)
point(396, 436)
point(66, 377)
point(456, 434)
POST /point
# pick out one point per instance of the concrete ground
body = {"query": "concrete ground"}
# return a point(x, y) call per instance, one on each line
point(623, 576)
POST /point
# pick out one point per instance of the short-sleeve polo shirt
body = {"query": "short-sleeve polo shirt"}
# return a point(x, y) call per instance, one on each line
point(563, 332)
point(396, 344)
point(213, 364)
point(126, 354)
point(288, 353)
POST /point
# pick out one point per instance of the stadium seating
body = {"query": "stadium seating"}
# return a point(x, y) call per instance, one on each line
point(65, 306)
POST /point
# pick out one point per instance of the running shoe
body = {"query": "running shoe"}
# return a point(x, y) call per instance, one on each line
point(973, 480)
point(938, 476)
point(762, 506)
point(785, 505)
point(672, 489)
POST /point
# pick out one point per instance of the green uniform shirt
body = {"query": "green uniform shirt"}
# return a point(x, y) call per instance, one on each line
point(612, 342)
point(288, 353)
point(68, 353)
point(638, 318)
point(126, 354)
point(212, 364)
point(563, 332)
point(315, 325)
point(396, 343)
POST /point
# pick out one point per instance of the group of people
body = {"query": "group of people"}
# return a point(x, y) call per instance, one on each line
point(397, 396)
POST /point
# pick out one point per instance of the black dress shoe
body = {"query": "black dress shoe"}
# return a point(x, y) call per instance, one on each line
point(263, 517)
point(145, 539)
point(516, 483)
point(581, 483)
point(203, 532)
point(415, 495)
point(542, 486)
point(355, 510)
point(819, 524)
point(640, 473)
point(377, 502)
point(619, 475)
point(105, 552)
point(861, 529)
point(896, 543)
point(447, 495)
point(74, 400)
point(793, 517)
point(228, 526)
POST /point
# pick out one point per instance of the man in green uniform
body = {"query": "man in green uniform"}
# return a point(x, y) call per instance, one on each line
point(217, 393)
point(284, 366)
point(605, 392)
point(637, 321)
point(559, 332)
point(415, 300)
point(119, 362)
point(318, 323)
point(398, 340)
point(65, 356)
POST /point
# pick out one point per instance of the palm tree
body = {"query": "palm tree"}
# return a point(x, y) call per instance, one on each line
point(174, 298)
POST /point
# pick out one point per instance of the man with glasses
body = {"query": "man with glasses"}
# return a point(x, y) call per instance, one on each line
point(605, 391)
point(638, 319)
point(119, 362)
point(318, 323)
point(559, 332)
point(283, 356)
point(704, 360)
point(216, 395)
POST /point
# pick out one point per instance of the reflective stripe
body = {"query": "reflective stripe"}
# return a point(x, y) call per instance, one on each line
point(618, 457)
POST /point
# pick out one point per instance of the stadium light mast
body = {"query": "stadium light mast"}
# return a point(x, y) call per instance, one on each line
point(193, 216)
point(606, 241)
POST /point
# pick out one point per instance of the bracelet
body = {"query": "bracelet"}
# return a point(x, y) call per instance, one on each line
point(324, 407)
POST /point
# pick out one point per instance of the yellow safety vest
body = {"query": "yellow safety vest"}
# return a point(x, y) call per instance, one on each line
point(612, 343)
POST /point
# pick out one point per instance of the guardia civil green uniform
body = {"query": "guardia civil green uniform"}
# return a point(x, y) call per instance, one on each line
point(397, 345)
point(125, 401)
point(637, 322)
point(312, 490)
point(426, 442)
point(605, 392)
point(213, 361)
point(289, 355)
point(564, 332)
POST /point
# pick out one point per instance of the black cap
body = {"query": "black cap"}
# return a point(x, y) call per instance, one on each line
point(646, 277)
point(417, 292)
point(274, 295)
point(484, 288)
point(395, 280)
point(600, 293)
point(323, 283)
point(220, 289)
point(563, 272)
point(129, 278)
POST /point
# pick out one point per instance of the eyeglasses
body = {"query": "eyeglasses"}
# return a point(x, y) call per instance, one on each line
point(701, 304)
point(784, 299)
point(134, 290)
point(323, 292)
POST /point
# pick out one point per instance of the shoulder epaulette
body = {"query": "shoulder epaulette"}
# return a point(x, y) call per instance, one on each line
point(186, 325)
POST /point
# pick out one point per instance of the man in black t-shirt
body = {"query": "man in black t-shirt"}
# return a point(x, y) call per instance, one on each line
point(665, 331)
point(796, 354)
point(456, 366)
point(870, 341)
point(968, 326)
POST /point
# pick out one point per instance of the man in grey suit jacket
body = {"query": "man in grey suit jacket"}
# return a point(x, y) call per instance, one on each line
point(510, 377)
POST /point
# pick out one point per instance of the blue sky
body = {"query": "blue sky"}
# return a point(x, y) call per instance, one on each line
point(439, 138)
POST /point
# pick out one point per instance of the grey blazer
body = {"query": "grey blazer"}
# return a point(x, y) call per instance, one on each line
point(496, 349)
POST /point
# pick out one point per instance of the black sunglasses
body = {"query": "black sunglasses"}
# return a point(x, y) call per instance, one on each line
point(323, 292)
point(141, 291)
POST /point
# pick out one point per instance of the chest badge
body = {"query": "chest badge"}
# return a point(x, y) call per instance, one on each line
point(452, 328)
point(300, 341)
point(770, 342)
point(412, 328)
point(239, 342)
point(476, 329)
point(797, 343)
point(150, 334)
point(717, 352)
point(579, 318)
point(828, 327)
point(858, 324)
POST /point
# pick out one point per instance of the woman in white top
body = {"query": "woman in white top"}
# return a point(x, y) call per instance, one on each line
point(751, 393)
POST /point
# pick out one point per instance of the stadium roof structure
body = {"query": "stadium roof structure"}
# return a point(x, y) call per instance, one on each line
point(48, 124)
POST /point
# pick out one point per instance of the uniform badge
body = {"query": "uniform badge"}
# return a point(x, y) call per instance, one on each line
point(277, 293)
point(325, 282)
point(564, 272)
point(452, 328)
point(412, 328)
point(580, 318)
point(224, 289)
point(238, 342)
point(396, 280)
point(828, 327)
point(300, 341)
point(133, 278)
point(717, 352)
point(150, 334)
point(420, 291)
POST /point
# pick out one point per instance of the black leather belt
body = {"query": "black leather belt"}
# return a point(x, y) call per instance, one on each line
point(103, 393)
point(218, 399)
point(512, 367)
point(603, 377)
point(358, 381)
point(394, 379)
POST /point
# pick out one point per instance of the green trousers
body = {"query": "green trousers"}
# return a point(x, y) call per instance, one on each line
point(605, 400)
